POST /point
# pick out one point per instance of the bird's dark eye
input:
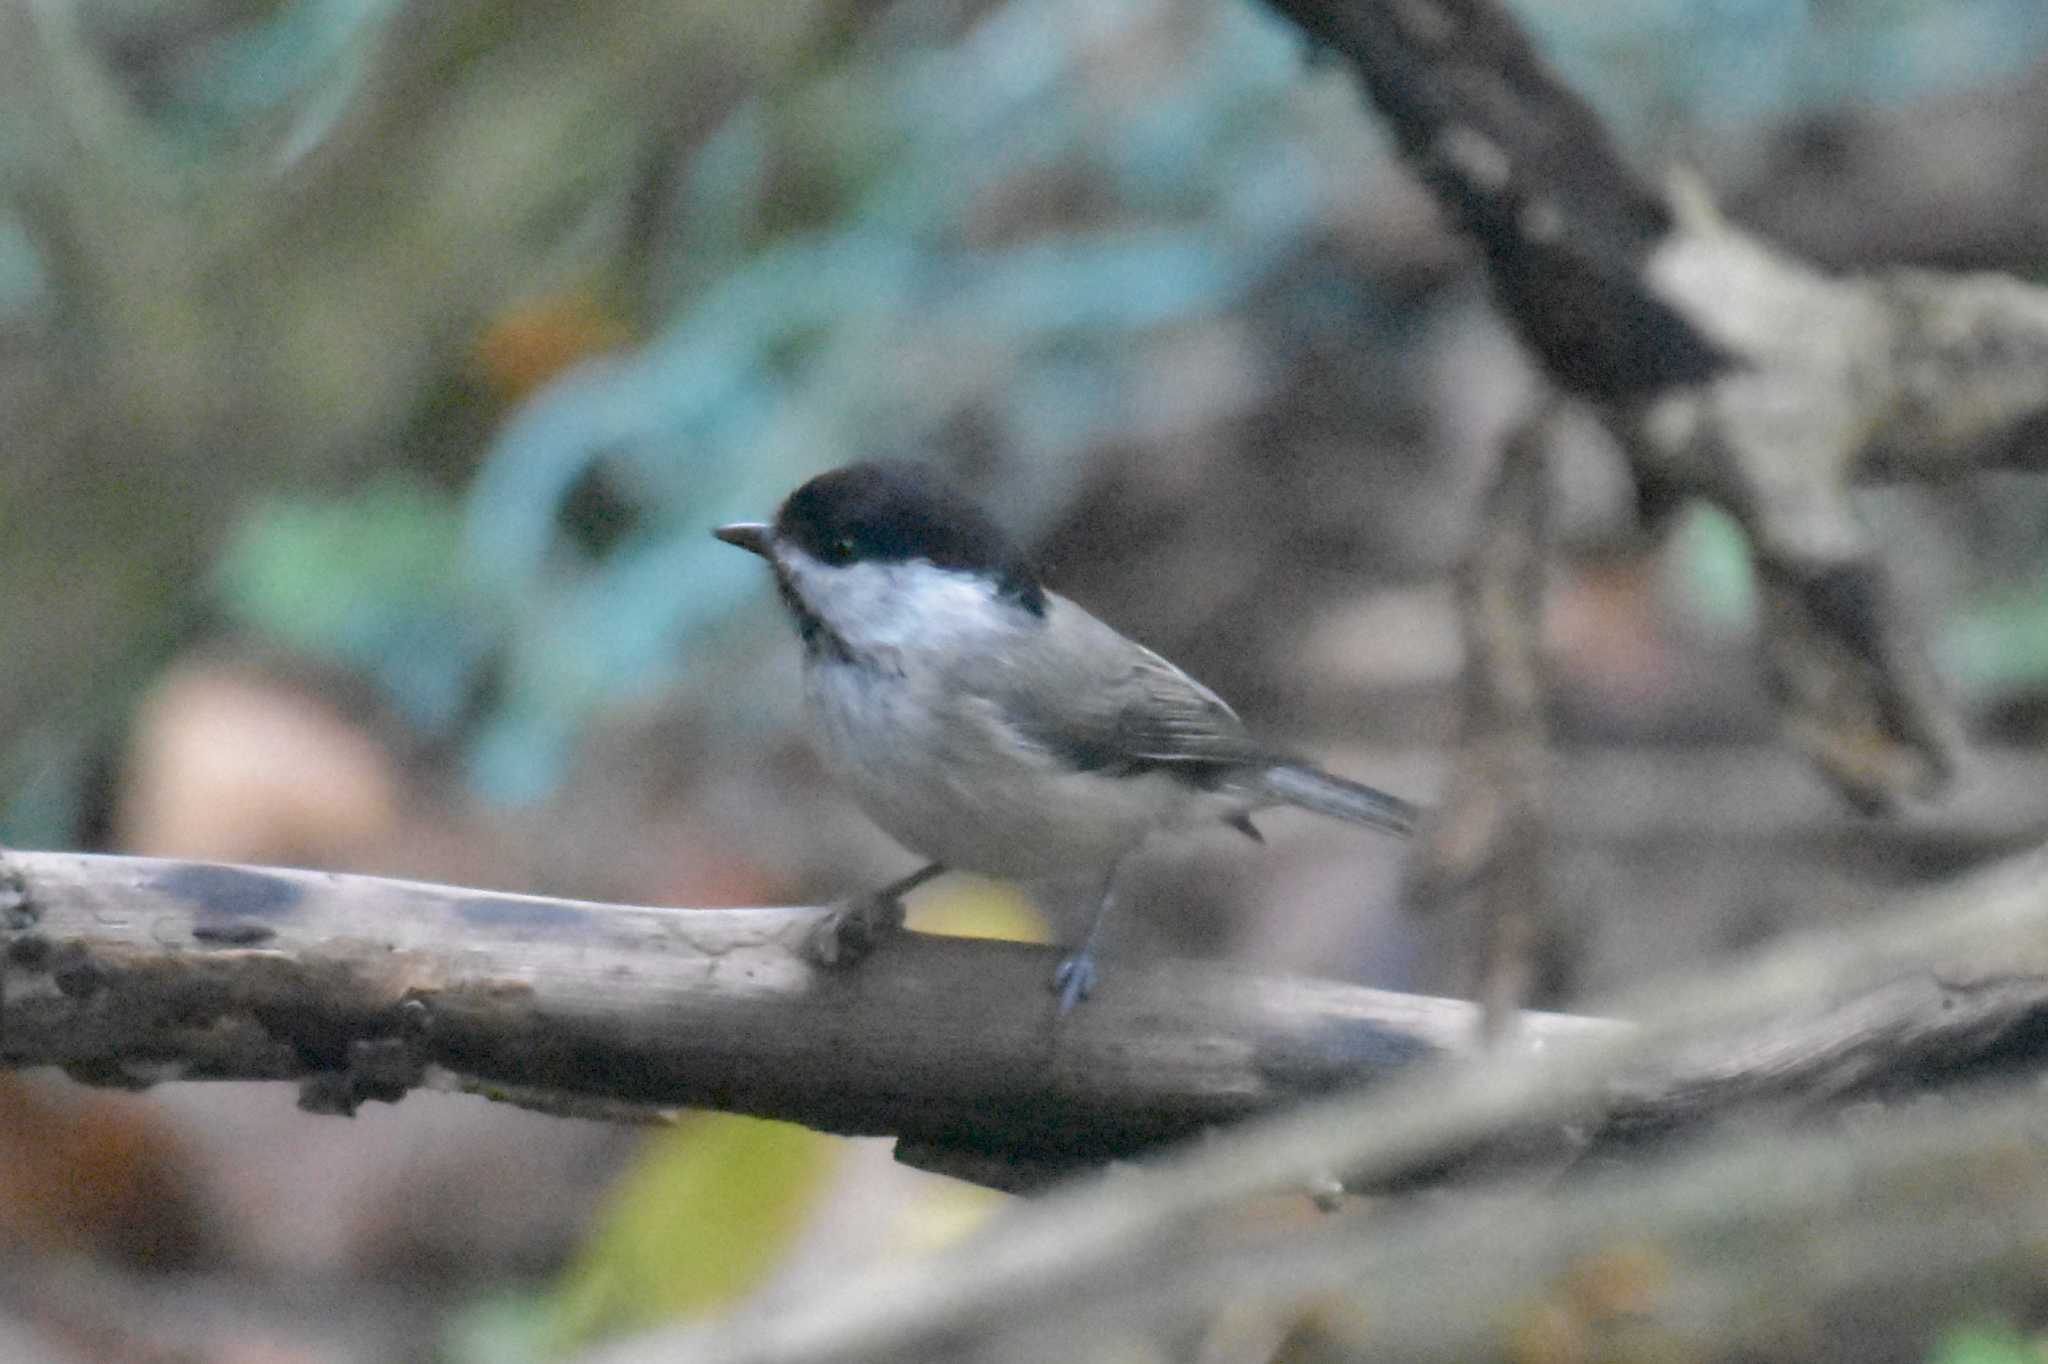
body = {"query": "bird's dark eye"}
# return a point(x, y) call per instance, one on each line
point(840, 551)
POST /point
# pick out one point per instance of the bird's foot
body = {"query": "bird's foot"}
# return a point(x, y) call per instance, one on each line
point(1074, 979)
point(853, 929)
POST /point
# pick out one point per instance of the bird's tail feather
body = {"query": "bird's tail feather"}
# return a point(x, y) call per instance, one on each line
point(1311, 788)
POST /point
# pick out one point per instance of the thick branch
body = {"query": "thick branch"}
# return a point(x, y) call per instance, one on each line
point(134, 969)
point(127, 970)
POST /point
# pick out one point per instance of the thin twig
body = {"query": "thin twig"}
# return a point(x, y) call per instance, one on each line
point(1483, 856)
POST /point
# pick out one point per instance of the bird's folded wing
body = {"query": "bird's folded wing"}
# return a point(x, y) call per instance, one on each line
point(1136, 712)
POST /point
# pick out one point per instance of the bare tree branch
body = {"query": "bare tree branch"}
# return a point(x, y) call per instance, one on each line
point(127, 970)
point(1728, 369)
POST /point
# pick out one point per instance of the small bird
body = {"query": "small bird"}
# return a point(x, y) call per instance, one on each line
point(993, 726)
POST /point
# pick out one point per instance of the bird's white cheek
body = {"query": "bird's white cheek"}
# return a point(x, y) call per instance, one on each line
point(879, 608)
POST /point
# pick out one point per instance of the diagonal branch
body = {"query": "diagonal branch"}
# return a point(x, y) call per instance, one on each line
point(1728, 369)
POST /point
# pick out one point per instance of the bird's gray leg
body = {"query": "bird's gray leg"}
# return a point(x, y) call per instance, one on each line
point(853, 928)
point(1074, 977)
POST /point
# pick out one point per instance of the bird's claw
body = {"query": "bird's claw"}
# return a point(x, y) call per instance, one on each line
point(1074, 979)
point(853, 929)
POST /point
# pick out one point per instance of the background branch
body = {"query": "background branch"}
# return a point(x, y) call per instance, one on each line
point(1142, 1259)
point(1928, 1222)
point(1728, 369)
point(1484, 851)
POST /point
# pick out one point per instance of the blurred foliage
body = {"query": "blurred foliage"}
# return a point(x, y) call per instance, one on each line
point(1708, 569)
point(709, 1207)
point(969, 907)
point(698, 1221)
point(206, 73)
point(1982, 1344)
point(1997, 646)
point(961, 230)
point(22, 278)
point(880, 308)
point(372, 580)
point(1992, 647)
point(1659, 67)
point(235, 296)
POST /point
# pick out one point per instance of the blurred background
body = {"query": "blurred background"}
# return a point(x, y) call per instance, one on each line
point(370, 377)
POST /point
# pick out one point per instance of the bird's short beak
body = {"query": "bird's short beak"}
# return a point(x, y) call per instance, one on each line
point(753, 536)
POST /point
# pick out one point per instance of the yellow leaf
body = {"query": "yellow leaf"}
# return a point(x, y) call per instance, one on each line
point(967, 907)
point(699, 1220)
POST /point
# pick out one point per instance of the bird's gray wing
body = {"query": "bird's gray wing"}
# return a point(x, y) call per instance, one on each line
point(1135, 713)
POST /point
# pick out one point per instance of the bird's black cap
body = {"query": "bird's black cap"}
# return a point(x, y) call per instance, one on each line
point(896, 511)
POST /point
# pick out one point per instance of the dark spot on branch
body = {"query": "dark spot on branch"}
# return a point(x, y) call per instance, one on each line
point(319, 1041)
point(106, 1072)
point(328, 1094)
point(506, 911)
point(17, 911)
point(30, 953)
point(1659, 497)
point(75, 974)
point(1302, 1063)
point(2027, 446)
point(233, 932)
point(232, 892)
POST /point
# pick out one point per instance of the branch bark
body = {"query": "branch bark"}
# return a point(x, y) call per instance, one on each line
point(127, 970)
point(130, 970)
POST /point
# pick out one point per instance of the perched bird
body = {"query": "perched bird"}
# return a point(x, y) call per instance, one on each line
point(993, 726)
